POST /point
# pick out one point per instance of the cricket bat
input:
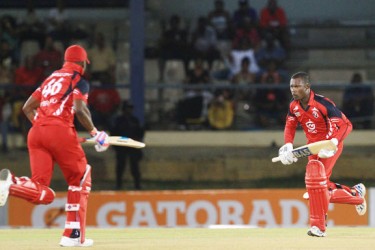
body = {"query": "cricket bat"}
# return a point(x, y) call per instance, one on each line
point(118, 141)
point(310, 149)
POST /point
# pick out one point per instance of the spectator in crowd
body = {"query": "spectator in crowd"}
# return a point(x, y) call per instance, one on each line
point(28, 76)
point(273, 20)
point(104, 102)
point(221, 21)
point(30, 26)
point(244, 78)
point(236, 55)
point(244, 11)
point(220, 111)
point(9, 33)
point(6, 76)
point(249, 31)
point(126, 124)
point(8, 59)
point(358, 103)
point(173, 45)
point(272, 51)
point(269, 102)
point(102, 61)
point(192, 109)
point(6, 79)
point(49, 58)
point(57, 26)
point(27, 79)
point(5, 113)
point(204, 42)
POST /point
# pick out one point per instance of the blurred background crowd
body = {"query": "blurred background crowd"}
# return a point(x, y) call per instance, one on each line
point(226, 70)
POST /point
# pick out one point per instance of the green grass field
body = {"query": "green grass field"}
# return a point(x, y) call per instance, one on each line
point(183, 238)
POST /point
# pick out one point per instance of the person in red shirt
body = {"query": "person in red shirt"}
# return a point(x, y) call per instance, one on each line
point(49, 58)
point(28, 76)
point(320, 120)
point(273, 20)
point(53, 139)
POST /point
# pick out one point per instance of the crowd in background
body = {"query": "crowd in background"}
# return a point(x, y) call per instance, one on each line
point(251, 47)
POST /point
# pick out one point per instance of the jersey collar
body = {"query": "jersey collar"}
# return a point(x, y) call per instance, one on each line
point(74, 67)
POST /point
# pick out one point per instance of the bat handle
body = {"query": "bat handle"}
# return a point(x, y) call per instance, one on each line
point(275, 159)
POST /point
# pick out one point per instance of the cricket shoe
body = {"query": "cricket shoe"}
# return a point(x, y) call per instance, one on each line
point(5, 182)
point(75, 242)
point(361, 191)
point(316, 232)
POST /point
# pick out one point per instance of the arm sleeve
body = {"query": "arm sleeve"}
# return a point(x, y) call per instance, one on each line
point(37, 94)
point(290, 128)
point(81, 90)
point(339, 124)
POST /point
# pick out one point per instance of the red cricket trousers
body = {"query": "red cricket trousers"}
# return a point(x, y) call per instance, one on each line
point(51, 144)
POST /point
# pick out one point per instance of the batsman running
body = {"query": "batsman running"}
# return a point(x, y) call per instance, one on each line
point(320, 120)
point(53, 139)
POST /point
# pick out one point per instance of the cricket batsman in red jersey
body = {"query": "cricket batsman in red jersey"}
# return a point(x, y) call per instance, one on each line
point(53, 139)
point(320, 120)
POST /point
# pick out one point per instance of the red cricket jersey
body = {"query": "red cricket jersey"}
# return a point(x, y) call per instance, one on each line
point(321, 120)
point(56, 95)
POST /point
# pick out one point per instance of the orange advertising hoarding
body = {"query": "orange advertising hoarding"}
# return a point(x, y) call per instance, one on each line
point(251, 207)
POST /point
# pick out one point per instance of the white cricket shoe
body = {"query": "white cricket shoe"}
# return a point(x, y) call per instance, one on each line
point(361, 191)
point(75, 242)
point(5, 182)
point(315, 231)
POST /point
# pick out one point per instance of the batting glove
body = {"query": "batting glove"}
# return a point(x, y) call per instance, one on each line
point(326, 153)
point(286, 155)
point(102, 140)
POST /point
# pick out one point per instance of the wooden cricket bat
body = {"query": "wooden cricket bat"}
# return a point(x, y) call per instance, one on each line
point(310, 149)
point(118, 141)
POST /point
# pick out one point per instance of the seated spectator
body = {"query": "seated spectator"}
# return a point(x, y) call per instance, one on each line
point(220, 111)
point(244, 11)
point(27, 79)
point(243, 50)
point(5, 113)
point(49, 58)
point(244, 78)
point(221, 21)
point(31, 27)
point(358, 103)
point(8, 59)
point(269, 102)
point(28, 76)
point(104, 102)
point(248, 31)
point(173, 44)
point(57, 26)
point(193, 108)
point(204, 42)
point(198, 75)
point(6, 76)
point(273, 20)
point(272, 51)
point(9, 33)
point(102, 61)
